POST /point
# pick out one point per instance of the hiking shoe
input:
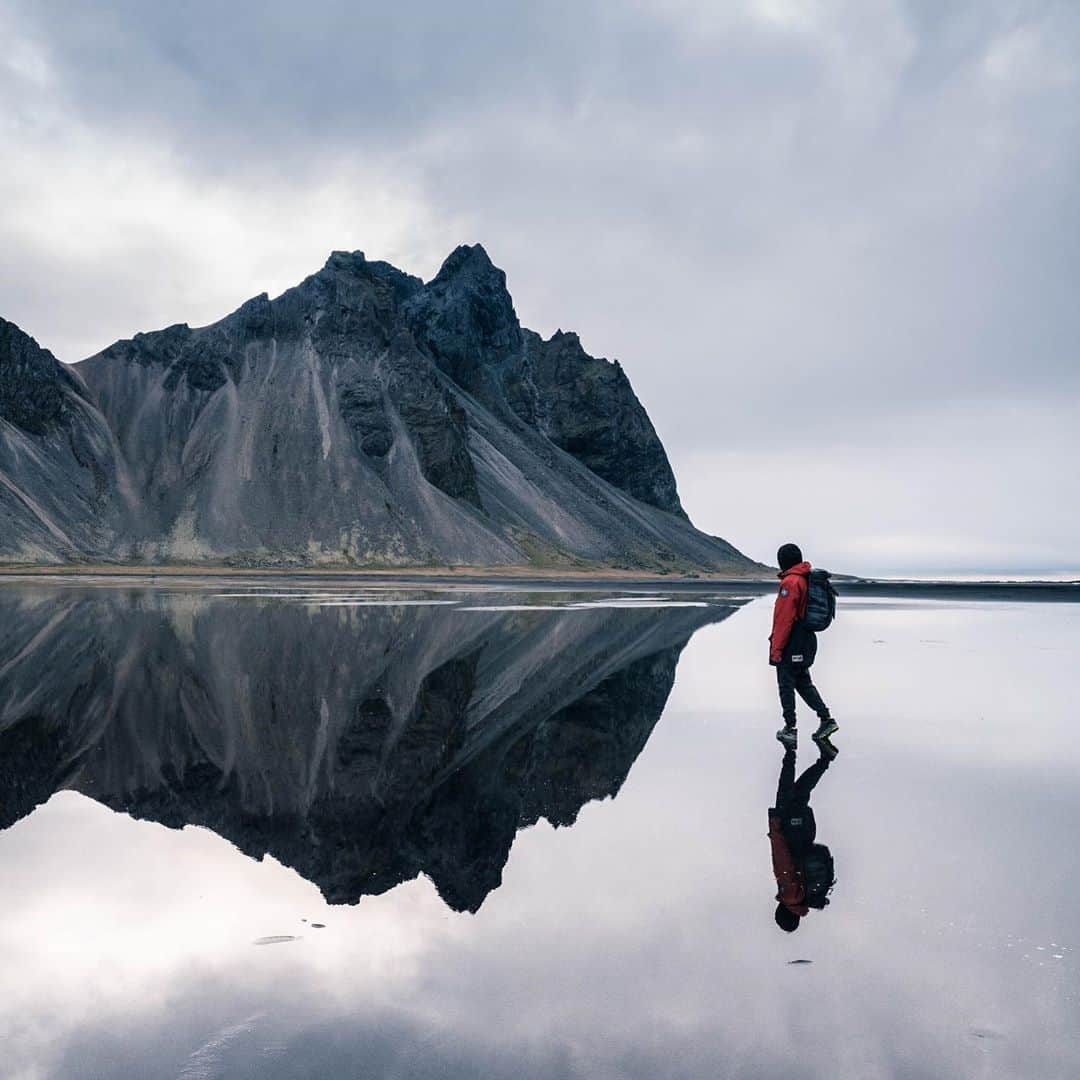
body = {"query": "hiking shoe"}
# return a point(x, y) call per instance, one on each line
point(826, 728)
point(789, 736)
point(826, 749)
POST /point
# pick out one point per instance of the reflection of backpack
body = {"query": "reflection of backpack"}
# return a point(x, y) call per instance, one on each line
point(820, 602)
point(818, 875)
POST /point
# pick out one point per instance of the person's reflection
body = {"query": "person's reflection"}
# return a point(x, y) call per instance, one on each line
point(803, 868)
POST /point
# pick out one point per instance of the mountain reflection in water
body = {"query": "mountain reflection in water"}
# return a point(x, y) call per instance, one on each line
point(359, 743)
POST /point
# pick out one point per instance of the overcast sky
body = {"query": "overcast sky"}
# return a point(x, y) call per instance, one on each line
point(834, 245)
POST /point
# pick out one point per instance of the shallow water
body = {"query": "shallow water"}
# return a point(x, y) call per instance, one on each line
point(300, 831)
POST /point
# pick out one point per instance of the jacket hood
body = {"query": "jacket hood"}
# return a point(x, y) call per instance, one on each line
point(802, 569)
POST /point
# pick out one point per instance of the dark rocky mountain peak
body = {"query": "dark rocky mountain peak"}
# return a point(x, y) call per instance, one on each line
point(354, 264)
point(470, 266)
point(361, 418)
point(465, 317)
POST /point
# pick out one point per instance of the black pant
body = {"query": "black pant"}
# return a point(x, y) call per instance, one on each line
point(792, 794)
point(792, 677)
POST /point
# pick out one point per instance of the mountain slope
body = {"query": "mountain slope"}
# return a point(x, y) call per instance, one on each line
point(59, 481)
point(365, 418)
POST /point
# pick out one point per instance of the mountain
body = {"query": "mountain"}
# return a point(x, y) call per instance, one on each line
point(362, 418)
point(361, 744)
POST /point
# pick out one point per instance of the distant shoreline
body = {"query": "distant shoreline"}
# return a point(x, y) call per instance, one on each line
point(520, 577)
point(421, 573)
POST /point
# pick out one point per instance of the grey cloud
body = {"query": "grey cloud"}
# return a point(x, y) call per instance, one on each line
point(793, 224)
point(278, 74)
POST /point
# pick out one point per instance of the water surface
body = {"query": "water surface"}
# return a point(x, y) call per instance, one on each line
point(290, 830)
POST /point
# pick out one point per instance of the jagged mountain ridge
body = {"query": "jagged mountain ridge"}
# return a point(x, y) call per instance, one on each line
point(360, 418)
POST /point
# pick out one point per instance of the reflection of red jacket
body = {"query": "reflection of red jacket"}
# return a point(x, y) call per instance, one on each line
point(788, 879)
point(789, 607)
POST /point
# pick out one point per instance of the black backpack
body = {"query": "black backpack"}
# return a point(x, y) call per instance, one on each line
point(819, 875)
point(820, 602)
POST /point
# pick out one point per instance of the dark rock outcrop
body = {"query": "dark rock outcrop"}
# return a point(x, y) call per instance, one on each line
point(34, 385)
point(465, 318)
point(361, 746)
point(61, 495)
point(587, 407)
point(361, 418)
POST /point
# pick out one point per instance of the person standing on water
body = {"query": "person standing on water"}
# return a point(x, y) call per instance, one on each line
point(793, 646)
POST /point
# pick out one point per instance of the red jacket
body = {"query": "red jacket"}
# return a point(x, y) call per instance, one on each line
point(792, 893)
point(789, 607)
